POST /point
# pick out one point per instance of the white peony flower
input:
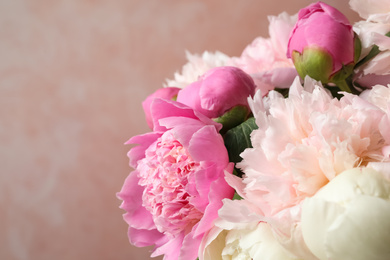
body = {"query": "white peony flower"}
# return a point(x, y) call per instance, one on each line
point(349, 218)
point(256, 242)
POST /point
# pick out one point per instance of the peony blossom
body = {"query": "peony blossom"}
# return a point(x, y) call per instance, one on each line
point(305, 140)
point(372, 31)
point(242, 216)
point(197, 65)
point(322, 43)
point(173, 195)
point(217, 91)
point(349, 218)
point(254, 241)
point(302, 143)
point(168, 93)
point(265, 58)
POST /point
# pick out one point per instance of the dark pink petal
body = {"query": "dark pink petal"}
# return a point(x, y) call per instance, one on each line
point(143, 237)
point(170, 249)
point(219, 190)
point(208, 145)
point(223, 88)
point(162, 109)
point(190, 96)
point(189, 249)
point(217, 91)
point(131, 194)
point(143, 141)
point(164, 93)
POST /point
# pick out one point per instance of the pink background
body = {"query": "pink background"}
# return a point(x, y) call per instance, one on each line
point(73, 74)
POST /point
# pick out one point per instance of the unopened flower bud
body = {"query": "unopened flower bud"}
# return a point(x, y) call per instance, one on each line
point(322, 44)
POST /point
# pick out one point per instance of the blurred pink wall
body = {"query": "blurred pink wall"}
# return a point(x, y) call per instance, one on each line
point(72, 78)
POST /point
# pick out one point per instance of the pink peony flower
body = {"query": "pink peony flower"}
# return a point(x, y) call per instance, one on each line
point(217, 91)
point(265, 58)
point(322, 42)
point(173, 195)
point(168, 93)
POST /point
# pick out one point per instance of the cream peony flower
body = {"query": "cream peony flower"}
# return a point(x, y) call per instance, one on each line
point(256, 241)
point(349, 218)
point(197, 66)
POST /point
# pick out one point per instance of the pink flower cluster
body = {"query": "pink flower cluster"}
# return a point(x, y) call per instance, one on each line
point(177, 187)
point(173, 195)
point(309, 115)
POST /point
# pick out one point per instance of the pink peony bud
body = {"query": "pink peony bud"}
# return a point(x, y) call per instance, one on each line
point(322, 44)
point(217, 91)
point(169, 93)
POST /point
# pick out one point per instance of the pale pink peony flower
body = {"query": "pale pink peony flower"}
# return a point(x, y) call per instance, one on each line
point(302, 143)
point(197, 65)
point(218, 90)
point(371, 31)
point(305, 140)
point(265, 58)
point(173, 195)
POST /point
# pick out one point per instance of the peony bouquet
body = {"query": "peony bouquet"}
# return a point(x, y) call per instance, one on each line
point(281, 153)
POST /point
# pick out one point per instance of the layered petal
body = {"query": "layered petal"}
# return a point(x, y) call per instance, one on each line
point(173, 196)
point(217, 91)
point(350, 216)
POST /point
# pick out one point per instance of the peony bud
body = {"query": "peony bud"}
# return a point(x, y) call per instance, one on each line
point(322, 44)
point(349, 218)
point(218, 91)
point(169, 93)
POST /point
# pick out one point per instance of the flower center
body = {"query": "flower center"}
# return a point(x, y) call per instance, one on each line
point(165, 173)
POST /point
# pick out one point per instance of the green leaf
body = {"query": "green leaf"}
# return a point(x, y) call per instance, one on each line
point(233, 117)
point(238, 139)
point(373, 52)
point(236, 196)
point(358, 47)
